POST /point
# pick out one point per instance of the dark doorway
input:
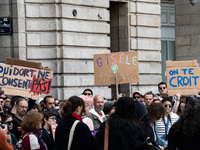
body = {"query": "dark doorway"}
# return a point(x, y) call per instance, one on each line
point(119, 34)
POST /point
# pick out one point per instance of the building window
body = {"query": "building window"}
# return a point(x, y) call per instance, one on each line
point(167, 53)
point(167, 34)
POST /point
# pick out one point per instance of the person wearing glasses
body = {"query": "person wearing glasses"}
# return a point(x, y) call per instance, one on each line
point(5, 142)
point(162, 89)
point(47, 135)
point(137, 96)
point(7, 120)
point(140, 108)
point(169, 118)
point(21, 110)
point(88, 92)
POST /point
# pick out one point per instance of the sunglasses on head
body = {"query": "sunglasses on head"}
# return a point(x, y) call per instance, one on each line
point(86, 93)
point(136, 97)
point(166, 105)
point(162, 88)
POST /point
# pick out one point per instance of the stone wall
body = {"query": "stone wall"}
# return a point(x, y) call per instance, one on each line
point(66, 43)
point(145, 37)
point(187, 30)
point(48, 31)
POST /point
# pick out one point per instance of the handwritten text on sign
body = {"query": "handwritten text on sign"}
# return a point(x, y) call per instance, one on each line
point(24, 78)
point(122, 64)
point(187, 77)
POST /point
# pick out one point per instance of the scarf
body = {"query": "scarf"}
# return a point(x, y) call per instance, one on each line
point(77, 116)
point(42, 144)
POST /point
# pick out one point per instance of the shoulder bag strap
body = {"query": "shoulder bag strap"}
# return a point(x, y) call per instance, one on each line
point(25, 136)
point(166, 129)
point(106, 137)
point(71, 134)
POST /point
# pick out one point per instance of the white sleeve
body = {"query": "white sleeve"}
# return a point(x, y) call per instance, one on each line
point(34, 144)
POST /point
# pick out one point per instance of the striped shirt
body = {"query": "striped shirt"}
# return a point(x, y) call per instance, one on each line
point(161, 125)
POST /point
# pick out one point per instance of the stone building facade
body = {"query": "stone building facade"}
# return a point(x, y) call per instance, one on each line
point(65, 34)
point(187, 30)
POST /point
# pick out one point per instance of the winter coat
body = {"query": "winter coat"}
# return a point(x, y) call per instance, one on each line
point(122, 139)
point(82, 139)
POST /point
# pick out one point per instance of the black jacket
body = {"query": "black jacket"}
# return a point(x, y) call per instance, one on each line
point(176, 139)
point(48, 139)
point(121, 139)
point(82, 140)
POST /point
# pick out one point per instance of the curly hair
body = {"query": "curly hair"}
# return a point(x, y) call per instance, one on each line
point(155, 110)
point(31, 121)
point(189, 122)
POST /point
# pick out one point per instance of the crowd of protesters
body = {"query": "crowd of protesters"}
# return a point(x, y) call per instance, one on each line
point(90, 122)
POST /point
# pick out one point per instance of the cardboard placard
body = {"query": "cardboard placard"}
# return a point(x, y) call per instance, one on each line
point(192, 63)
point(124, 65)
point(25, 81)
point(185, 80)
point(24, 63)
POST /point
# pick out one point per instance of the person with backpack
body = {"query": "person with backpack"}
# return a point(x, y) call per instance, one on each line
point(30, 139)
